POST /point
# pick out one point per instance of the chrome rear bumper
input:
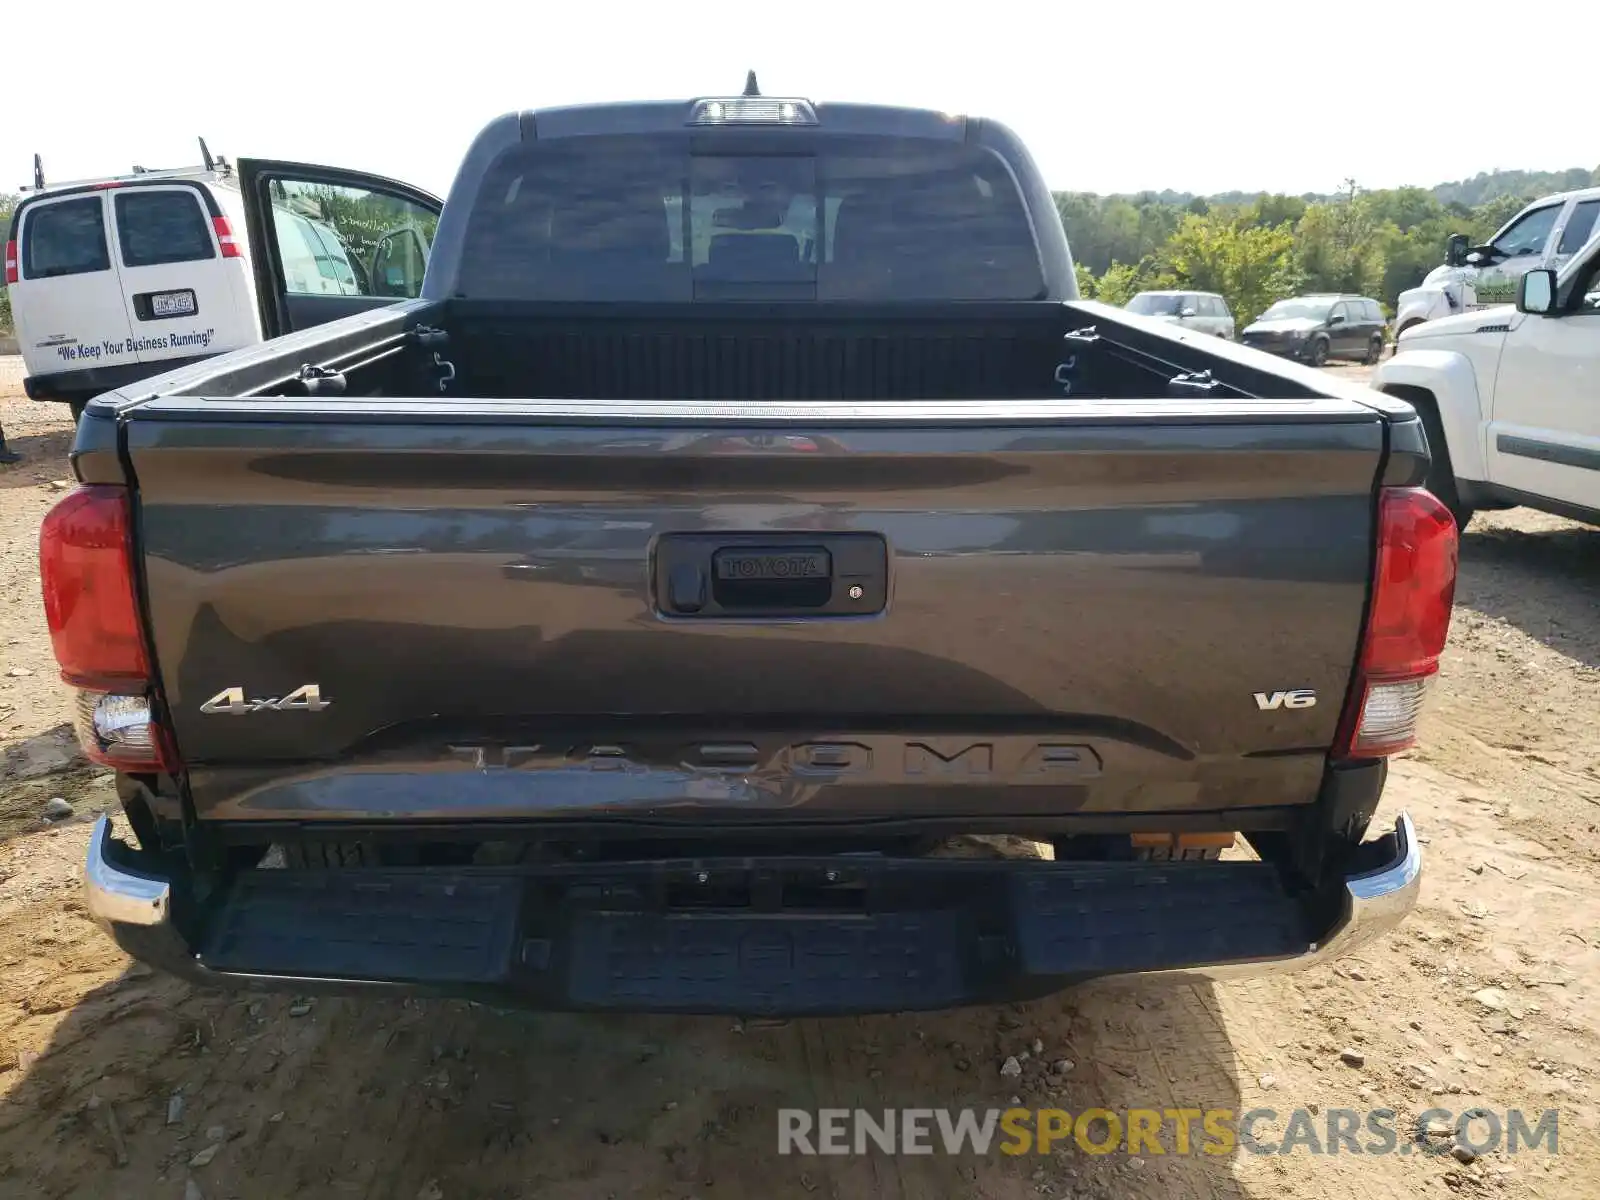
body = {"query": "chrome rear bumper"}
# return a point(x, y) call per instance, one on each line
point(136, 907)
point(1373, 903)
point(121, 895)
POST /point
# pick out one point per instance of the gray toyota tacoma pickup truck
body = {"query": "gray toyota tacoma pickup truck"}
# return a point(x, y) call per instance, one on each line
point(742, 506)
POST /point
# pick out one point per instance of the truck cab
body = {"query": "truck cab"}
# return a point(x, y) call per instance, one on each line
point(1544, 234)
point(1507, 395)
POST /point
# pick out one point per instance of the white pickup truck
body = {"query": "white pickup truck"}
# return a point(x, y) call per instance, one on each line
point(1544, 234)
point(1510, 396)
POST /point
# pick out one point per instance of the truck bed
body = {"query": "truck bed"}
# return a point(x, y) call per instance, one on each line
point(741, 352)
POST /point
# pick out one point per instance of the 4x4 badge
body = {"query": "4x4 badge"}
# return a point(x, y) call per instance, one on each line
point(232, 702)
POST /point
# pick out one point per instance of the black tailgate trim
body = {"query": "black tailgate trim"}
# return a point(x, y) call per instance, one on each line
point(995, 413)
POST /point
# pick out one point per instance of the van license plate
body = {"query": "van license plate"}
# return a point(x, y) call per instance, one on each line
point(172, 304)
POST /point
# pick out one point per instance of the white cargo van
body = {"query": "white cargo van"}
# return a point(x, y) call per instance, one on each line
point(114, 280)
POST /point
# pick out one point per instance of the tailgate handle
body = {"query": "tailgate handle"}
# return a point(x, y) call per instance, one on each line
point(755, 575)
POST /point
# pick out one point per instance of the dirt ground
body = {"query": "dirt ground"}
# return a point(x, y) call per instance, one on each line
point(1488, 997)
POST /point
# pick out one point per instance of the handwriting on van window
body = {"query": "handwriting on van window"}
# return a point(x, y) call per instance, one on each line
point(198, 339)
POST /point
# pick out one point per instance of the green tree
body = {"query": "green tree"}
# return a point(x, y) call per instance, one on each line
point(1107, 229)
point(1122, 281)
point(1405, 208)
point(1274, 210)
point(1488, 217)
point(1118, 285)
point(1249, 265)
point(1338, 247)
point(1376, 242)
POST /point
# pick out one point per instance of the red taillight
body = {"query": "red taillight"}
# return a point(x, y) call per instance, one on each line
point(86, 569)
point(1413, 588)
point(11, 262)
point(225, 239)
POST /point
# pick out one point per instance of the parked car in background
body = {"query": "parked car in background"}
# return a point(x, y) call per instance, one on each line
point(1507, 396)
point(1205, 311)
point(1546, 233)
point(116, 279)
point(1313, 329)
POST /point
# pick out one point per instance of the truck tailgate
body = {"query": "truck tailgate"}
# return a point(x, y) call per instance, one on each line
point(521, 608)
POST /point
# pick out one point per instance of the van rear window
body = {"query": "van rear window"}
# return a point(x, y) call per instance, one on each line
point(850, 218)
point(64, 237)
point(162, 226)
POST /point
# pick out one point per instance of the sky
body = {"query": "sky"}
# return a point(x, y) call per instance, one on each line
point(1193, 95)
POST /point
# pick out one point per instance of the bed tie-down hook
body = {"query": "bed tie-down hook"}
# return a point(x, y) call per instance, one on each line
point(433, 339)
point(1067, 369)
point(320, 381)
point(447, 370)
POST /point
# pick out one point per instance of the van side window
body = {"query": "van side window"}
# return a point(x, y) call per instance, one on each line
point(167, 225)
point(67, 237)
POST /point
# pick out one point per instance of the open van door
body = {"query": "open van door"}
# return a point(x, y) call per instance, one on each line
point(323, 241)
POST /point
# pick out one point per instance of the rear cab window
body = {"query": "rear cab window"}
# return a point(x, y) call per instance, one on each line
point(162, 225)
point(866, 218)
point(64, 237)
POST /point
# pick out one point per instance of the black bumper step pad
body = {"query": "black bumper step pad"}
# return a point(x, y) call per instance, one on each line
point(366, 925)
point(580, 938)
point(693, 962)
point(1154, 918)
